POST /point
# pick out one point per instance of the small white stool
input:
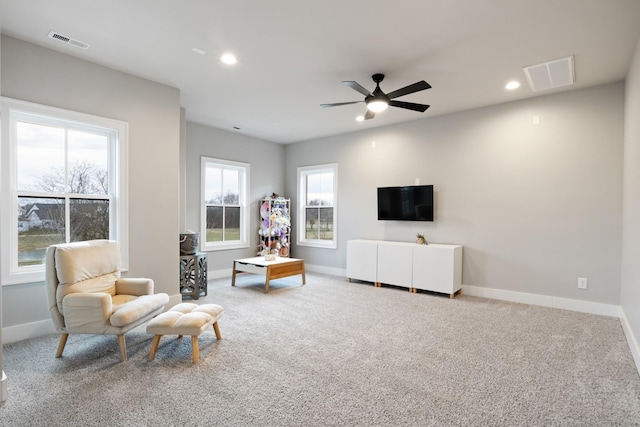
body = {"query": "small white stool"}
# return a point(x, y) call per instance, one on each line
point(185, 319)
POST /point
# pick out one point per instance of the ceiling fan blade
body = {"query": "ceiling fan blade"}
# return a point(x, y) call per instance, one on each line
point(337, 104)
point(356, 86)
point(369, 115)
point(410, 106)
point(416, 87)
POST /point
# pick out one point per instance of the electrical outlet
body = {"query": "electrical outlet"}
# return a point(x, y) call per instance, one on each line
point(582, 283)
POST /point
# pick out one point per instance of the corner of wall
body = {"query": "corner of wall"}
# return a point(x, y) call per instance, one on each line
point(631, 339)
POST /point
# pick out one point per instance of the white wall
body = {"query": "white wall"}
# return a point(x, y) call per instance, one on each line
point(535, 206)
point(266, 177)
point(36, 74)
point(630, 293)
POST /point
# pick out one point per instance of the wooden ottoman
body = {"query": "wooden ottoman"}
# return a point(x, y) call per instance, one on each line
point(185, 319)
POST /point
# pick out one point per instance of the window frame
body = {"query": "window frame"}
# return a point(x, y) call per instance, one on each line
point(244, 175)
point(303, 173)
point(12, 111)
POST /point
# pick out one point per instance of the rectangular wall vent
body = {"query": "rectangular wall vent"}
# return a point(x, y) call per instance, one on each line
point(550, 75)
point(68, 40)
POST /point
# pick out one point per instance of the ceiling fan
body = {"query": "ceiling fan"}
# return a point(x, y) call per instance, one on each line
point(378, 101)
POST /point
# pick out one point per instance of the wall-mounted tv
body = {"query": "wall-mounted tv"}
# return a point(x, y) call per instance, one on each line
point(408, 203)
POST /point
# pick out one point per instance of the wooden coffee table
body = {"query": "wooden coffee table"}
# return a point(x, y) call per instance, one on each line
point(276, 269)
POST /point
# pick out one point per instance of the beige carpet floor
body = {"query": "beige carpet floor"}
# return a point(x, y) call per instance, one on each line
point(333, 353)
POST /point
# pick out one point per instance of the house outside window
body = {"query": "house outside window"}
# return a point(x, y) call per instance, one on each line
point(317, 206)
point(224, 193)
point(63, 180)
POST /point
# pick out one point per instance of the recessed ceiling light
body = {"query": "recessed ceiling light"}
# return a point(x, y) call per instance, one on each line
point(512, 85)
point(228, 59)
point(360, 118)
point(198, 51)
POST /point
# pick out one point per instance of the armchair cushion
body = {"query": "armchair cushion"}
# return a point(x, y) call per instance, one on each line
point(86, 267)
point(141, 306)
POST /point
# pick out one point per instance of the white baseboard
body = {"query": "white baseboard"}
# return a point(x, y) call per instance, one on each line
point(544, 300)
point(220, 274)
point(322, 269)
point(27, 330)
point(3, 388)
point(631, 339)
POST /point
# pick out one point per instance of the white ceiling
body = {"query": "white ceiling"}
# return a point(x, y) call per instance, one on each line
point(293, 54)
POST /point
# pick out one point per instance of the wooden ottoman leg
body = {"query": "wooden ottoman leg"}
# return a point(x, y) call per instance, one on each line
point(216, 328)
point(154, 347)
point(61, 344)
point(196, 350)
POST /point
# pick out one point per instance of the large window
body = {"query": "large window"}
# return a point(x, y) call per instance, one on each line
point(317, 201)
point(224, 217)
point(62, 181)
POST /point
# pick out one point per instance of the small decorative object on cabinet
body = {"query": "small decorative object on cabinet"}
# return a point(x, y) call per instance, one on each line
point(275, 227)
point(421, 240)
point(193, 275)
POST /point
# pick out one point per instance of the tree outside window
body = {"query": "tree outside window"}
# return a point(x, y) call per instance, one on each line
point(62, 187)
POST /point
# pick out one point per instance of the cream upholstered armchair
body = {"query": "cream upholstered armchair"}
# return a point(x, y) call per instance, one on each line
point(88, 296)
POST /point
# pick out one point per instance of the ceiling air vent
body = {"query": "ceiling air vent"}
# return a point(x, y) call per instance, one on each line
point(550, 75)
point(68, 40)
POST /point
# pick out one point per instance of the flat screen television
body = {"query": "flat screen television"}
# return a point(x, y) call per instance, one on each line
point(408, 203)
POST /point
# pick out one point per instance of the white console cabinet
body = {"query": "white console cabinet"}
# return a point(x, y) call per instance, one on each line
point(432, 267)
point(363, 265)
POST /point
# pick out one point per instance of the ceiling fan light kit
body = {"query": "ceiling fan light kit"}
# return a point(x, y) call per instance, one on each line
point(377, 105)
point(378, 101)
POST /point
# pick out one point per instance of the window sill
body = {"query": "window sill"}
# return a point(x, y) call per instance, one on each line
point(321, 245)
point(224, 247)
point(24, 277)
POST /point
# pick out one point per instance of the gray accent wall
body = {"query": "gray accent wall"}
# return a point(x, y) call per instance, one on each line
point(152, 110)
point(630, 294)
point(535, 205)
point(266, 161)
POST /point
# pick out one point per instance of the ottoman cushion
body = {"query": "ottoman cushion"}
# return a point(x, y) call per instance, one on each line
point(185, 319)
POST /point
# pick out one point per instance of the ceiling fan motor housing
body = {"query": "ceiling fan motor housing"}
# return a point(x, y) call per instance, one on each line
point(377, 94)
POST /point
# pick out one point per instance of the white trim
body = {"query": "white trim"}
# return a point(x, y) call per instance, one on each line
point(27, 330)
point(544, 300)
point(219, 274)
point(631, 339)
point(323, 269)
point(3, 388)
